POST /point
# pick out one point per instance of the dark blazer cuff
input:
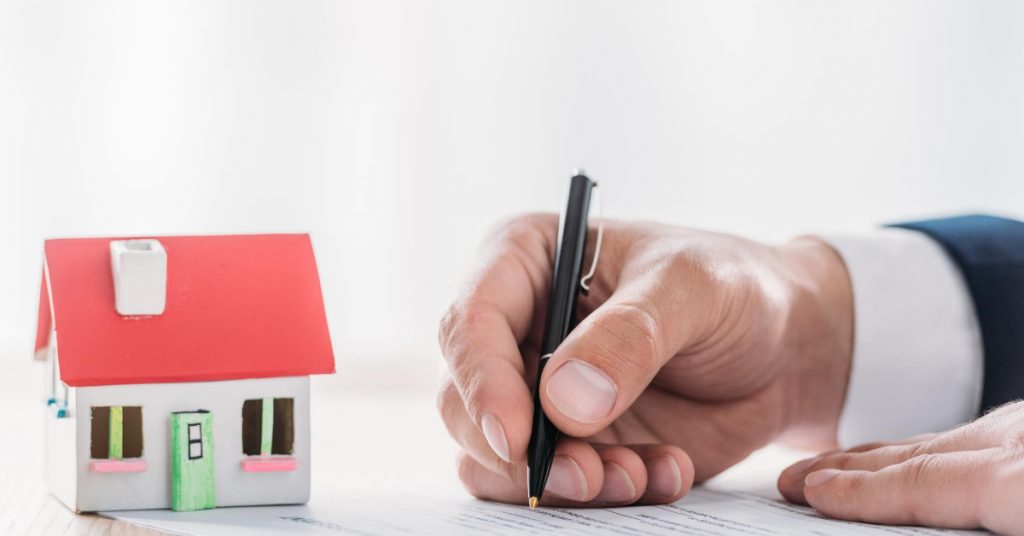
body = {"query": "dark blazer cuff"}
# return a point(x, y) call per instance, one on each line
point(989, 251)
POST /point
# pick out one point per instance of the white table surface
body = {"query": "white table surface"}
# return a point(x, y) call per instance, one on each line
point(377, 440)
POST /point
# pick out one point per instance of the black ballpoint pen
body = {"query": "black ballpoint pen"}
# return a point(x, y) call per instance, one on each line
point(561, 317)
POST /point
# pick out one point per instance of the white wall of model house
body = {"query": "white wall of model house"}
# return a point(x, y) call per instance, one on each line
point(69, 440)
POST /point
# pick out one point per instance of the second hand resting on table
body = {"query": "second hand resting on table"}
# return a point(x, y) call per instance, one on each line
point(696, 349)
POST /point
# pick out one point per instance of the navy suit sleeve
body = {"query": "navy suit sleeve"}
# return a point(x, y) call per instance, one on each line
point(990, 253)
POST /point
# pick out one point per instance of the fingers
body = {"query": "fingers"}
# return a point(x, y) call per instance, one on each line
point(487, 371)
point(910, 440)
point(591, 475)
point(606, 362)
point(625, 476)
point(471, 437)
point(481, 333)
point(669, 473)
point(940, 490)
point(577, 476)
point(875, 456)
point(968, 477)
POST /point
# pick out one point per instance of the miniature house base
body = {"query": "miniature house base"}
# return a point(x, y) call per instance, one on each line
point(84, 489)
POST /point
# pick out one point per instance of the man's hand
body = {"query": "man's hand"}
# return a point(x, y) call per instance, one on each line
point(968, 477)
point(695, 350)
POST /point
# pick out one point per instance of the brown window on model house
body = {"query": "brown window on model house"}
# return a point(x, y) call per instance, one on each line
point(268, 426)
point(116, 432)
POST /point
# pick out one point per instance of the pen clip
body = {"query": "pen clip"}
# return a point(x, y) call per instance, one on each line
point(585, 280)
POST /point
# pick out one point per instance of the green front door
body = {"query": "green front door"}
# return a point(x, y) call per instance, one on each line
point(192, 460)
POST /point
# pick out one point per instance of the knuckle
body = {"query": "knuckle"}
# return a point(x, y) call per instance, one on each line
point(917, 468)
point(840, 460)
point(923, 448)
point(983, 430)
point(706, 267)
point(448, 401)
point(627, 337)
point(467, 394)
point(856, 482)
point(521, 229)
point(471, 314)
point(471, 394)
point(528, 237)
point(1014, 441)
point(449, 320)
point(692, 260)
point(693, 265)
point(893, 454)
point(460, 318)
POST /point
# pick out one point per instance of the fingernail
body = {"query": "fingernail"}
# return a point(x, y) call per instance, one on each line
point(802, 465)
point(663, 478)
point(818, 478)
point(566, 479)
point(495, 435)
point(617, 485)
point(581, 392)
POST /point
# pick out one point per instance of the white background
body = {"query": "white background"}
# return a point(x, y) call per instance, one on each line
point(396, 132)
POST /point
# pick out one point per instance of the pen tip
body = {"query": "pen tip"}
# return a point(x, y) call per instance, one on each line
point(533, 503)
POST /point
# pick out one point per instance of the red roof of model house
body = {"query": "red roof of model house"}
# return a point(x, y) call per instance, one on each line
point(236, 307)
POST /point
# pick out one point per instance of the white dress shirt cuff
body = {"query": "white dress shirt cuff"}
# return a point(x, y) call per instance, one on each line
point(917, 354)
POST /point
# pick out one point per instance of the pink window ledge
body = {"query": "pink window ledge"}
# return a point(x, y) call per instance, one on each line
point(269, 464)
point(134, 465)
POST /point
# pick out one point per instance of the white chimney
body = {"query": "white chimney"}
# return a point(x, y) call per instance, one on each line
point(140, 276)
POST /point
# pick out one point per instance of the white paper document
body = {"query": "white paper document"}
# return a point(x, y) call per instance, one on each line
point(701, 512)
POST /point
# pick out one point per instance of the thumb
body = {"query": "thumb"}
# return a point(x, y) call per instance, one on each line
point(603, 365)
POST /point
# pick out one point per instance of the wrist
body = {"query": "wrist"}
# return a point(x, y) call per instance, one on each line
point(818, 341)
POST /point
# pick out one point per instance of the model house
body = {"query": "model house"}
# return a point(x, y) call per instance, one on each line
point(179, 370)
